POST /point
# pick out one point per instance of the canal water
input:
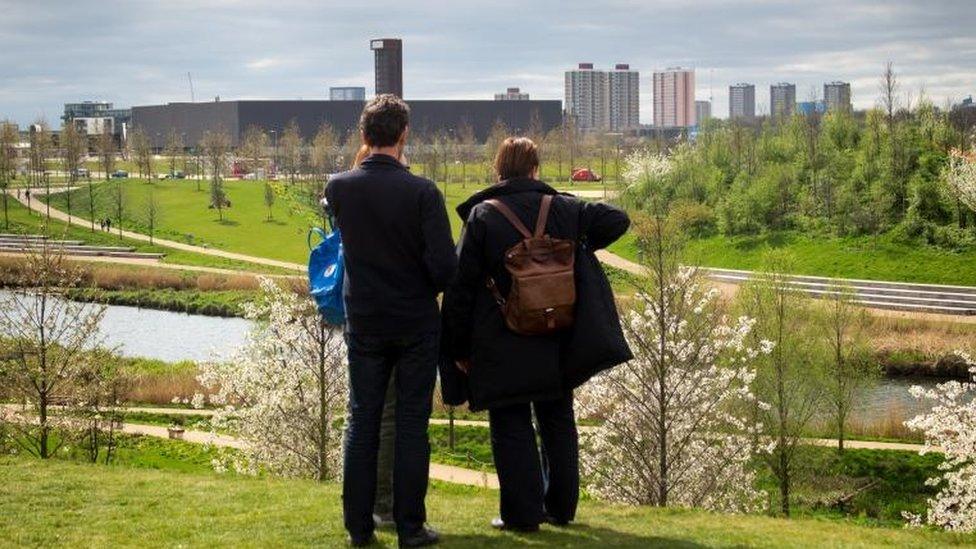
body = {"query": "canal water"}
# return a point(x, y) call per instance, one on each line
point(169, 336)
point(172, 337)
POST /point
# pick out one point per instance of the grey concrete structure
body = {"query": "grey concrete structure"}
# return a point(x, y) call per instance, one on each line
point(191, 120)
point(837, 96)
point(347, 93)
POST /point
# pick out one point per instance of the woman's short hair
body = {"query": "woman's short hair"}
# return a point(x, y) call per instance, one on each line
point(516, 157)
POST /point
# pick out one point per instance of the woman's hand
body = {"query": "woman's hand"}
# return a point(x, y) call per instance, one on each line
point(464, 365)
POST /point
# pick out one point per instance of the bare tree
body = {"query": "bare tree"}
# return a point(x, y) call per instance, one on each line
point(40, 146)
point(8, 163)
point(848, 364)
point(142, 151)
point(322, 155)
point(151, 213)
point(216, 147)
point(889, 93)
point(74, 146)
point(350, 146)
point(118, 204)
point(105, 146)
point(43, 358)
point(291, 146)
point(174, 150)
point(465, 143)
point(498, 133)
point(254, 145)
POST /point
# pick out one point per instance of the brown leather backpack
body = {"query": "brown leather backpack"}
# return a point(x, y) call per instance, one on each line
point(543, 295)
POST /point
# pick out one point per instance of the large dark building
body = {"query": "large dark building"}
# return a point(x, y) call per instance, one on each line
point(389, 65)
point(191, 120)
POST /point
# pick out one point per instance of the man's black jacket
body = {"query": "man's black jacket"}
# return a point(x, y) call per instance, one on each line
point(507, 368)
point(398, 249)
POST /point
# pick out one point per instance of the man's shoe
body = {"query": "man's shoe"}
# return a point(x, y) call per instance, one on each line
point(549, 519)
point(362, 542)
point(499, 524)
point(426, 536)
point(383, 522)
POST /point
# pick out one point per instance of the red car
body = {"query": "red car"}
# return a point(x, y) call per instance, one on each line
point(585, 174)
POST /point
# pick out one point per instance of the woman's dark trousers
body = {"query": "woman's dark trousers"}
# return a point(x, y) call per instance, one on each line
point(534, 483)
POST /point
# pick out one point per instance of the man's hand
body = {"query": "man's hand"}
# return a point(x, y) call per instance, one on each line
point(463, 365)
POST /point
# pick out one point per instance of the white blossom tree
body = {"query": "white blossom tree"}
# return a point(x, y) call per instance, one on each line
point(675, 428)
point(950, 427)
point(283, 391)
point(960, 178)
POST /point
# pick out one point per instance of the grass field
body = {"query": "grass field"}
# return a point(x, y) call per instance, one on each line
point(59, 503)
point(23, 221)
point(870, 258)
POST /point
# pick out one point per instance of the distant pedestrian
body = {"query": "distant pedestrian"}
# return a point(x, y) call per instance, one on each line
point(108, 224)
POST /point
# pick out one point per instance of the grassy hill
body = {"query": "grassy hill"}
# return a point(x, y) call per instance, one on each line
point(60, 503)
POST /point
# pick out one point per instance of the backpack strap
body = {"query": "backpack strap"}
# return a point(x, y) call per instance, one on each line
point(510, 216)
point(540, 222)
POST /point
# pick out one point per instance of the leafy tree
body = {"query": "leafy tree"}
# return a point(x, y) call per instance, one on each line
point(253, 147)
point(787, 380)
point(323, 151)
point(269, 198)
point(292, 149)
point(151, 213)
point(216, 147)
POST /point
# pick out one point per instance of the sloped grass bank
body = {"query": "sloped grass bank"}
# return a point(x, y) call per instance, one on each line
point(70, 504)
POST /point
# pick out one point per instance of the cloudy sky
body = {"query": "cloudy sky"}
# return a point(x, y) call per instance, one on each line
point(138, 52)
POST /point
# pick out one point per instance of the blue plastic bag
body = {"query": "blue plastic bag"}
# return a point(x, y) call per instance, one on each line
point(326, 270)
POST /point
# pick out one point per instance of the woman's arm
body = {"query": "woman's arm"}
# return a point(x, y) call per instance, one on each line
point(602, 224)
point(459, 299)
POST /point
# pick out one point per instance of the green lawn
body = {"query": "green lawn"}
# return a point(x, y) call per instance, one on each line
point(23, 221)
point(68, 504)
point(881, 258)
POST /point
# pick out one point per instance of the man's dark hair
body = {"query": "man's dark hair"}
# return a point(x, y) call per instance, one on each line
point(384, 119)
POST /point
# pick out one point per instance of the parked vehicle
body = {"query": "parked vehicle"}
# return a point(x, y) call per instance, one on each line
point(177, 175)
point(80, 172)
point(585, 174)
point(120, 174)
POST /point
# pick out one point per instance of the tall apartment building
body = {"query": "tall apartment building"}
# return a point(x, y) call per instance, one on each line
point(388, 53)
point(601, 100)
point(782, 100)
point(674, 98)
point(703, 111)
point(512, 94)
point(347, 93)
point(93, 117)
point(837, 96)
point(742, 101)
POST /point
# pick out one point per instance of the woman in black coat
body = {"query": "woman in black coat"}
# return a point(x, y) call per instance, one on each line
point(512, 375)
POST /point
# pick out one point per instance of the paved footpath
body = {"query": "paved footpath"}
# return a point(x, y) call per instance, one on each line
point(447, 473)
point(859, 444)
point(41, 207)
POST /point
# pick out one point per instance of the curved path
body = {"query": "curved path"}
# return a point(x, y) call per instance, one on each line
point(42, 208)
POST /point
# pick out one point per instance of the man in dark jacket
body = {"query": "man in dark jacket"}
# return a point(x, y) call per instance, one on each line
point(512, 375)
point(399, 255)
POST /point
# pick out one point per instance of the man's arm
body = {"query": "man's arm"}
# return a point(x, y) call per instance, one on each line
point(439, 255)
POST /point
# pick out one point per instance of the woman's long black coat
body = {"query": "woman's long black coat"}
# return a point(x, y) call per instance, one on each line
point(507, 368)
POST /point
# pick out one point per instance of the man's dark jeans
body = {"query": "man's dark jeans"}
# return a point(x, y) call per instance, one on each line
point(372, 360)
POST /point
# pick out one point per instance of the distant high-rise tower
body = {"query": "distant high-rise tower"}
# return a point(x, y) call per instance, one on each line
point(742, 101)
point(389, 65)
point(674, 98)
point(782, 100)
point(703, 111)
point(603, 100)
point(837, 96)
